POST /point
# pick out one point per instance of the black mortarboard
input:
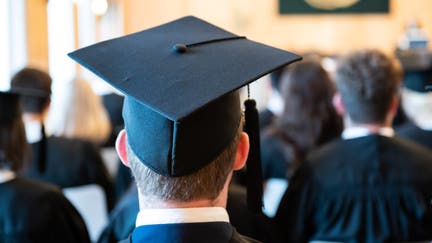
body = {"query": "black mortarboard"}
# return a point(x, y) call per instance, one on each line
point(9, 107)
point(418, 80)
point(181, 107)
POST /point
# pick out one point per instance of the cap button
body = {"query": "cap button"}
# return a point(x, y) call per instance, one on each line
point(180, 48)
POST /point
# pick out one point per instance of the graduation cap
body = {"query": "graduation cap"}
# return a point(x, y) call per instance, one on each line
point(418, 80)
point(417, 66)
point(181, 107)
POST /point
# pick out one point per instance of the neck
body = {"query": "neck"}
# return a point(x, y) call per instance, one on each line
point(372, 127)
point(219, 201)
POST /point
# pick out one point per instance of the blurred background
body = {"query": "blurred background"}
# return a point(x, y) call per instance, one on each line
point(40, 33)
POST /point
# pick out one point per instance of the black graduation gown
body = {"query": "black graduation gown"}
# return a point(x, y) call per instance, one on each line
point(37, 212)
point(122, 217)
point(210, 232)
point(416, 134)
point(70, 163)
point(368, 189)
point(277, 156)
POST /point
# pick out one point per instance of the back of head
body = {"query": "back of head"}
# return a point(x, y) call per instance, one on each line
point(78, 113)
point(368, 81)
point(13, 144)
point(204, 184)
point(305, 84)
point(36, 80)
point(307, 91)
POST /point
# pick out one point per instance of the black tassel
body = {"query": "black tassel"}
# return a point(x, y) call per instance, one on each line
point(41, 163)
point(253, 164)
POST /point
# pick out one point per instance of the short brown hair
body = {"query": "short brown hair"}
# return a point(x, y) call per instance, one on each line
point(368, 81)
point(206, 183)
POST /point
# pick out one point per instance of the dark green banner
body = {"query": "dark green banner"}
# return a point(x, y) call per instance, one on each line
point(333, 6)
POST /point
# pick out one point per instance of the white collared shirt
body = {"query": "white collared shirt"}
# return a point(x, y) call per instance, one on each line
point(33, 131)
point(181, 215)
point(356, 132)
point(6, 175)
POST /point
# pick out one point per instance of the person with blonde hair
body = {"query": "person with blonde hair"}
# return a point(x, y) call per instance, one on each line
point(77, 112)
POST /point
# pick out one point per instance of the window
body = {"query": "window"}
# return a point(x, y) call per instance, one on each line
point(13, 40)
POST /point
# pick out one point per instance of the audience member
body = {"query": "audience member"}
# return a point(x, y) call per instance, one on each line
point(30, 211)
point(370, 186)
point(77, 112)
point(308, 119)
point(183, 136)
point(62, 161)
point(417, 103)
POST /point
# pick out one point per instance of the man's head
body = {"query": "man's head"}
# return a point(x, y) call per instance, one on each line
point(368, 83)
point(38, 83)
point(204, 184)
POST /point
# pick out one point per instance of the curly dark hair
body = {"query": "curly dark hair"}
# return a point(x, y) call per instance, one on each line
point(368, 81)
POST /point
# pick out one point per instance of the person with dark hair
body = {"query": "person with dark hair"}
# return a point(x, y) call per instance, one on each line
point(64, 162)
point(370, 186)
point(417, 104)
point(183, 134)
point(308, 120)
point(30, 211)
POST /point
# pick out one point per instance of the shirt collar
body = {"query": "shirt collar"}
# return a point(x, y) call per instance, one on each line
point(6, 175)
point(356, 132)
point(181, 215)
point(33, 131)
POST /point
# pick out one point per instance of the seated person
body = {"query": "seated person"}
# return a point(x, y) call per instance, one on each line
point(183, 133)
point(61, 161)
point(30, 211)
point(308, 120)
point(369, 186)
point(123, 217)
point(417, 104)
point(78, 112)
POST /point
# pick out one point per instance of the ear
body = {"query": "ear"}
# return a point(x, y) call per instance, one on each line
point(121, 147)
point(338, 104)
point(242, 152)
